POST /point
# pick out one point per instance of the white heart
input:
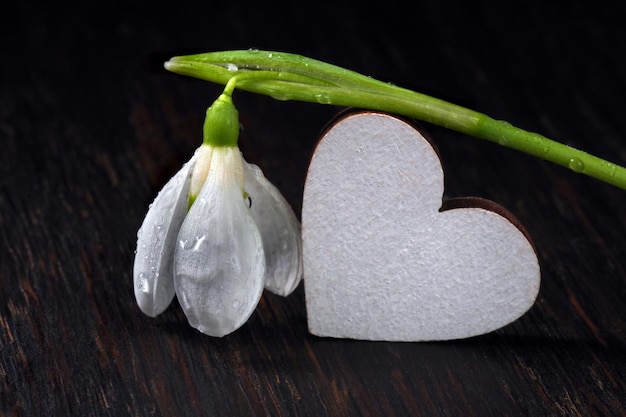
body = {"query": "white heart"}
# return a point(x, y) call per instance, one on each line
point(382, 262)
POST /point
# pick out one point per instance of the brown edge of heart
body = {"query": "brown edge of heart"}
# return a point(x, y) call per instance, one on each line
point(485, 204)
point(447, 204)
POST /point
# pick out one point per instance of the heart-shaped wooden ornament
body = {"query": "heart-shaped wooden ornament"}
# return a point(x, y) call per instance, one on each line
point(384, 261)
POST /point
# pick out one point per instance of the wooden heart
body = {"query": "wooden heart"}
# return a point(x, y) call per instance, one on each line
point(384, 261)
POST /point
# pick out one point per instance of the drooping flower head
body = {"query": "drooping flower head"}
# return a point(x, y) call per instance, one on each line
point(216, 235)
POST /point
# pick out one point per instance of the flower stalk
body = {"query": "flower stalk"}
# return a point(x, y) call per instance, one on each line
point(293, 77)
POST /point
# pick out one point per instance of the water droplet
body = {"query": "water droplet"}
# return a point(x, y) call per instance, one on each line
point(280, 96)
point(158, 232)
point(323, 98)
point(612, 169)
point(576, 165)
point(546, 149)
point(143, 284)
point(198, 242)
point(253, 50)
point(270, 55)
point(502, 127)
point(232, 67)
point(235, 265)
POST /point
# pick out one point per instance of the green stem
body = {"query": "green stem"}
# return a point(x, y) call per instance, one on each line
point(294, 77)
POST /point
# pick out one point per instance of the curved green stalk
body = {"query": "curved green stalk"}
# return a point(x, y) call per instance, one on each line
point(294, 77)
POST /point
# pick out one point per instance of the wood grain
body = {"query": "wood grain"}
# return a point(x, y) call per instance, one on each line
point(91, 128)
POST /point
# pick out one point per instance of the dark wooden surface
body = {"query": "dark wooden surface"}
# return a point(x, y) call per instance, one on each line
point(91, 128)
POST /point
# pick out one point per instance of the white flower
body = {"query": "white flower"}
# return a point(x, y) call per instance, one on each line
point(218, 255)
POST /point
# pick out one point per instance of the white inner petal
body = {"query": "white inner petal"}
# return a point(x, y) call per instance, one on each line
point(219, 263)
point(201, 169)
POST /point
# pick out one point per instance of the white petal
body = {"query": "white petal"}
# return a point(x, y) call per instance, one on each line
point(219, 264)
point(200, 169)
point(156, 240)
point(280, 230)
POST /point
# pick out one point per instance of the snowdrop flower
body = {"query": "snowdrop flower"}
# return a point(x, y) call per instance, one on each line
point(216, 235)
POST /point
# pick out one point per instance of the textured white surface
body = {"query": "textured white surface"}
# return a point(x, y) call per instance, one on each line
point(382, 263)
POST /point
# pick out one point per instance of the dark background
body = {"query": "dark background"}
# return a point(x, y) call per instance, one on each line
point(91, 128)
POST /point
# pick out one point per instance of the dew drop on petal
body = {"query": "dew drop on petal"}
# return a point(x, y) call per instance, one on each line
point(143, 284)
point(158, 232)
point(198, 243)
